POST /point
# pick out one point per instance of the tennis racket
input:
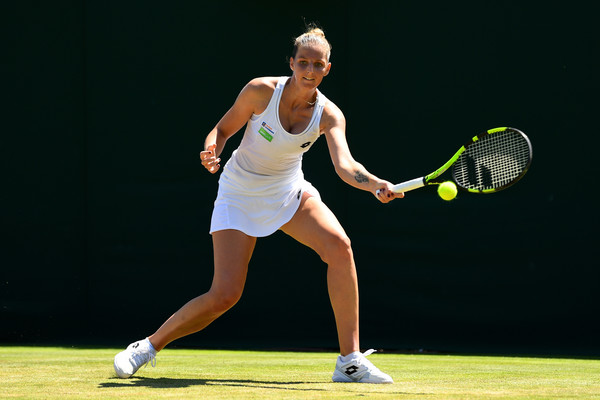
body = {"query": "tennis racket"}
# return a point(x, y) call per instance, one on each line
point(488, 163)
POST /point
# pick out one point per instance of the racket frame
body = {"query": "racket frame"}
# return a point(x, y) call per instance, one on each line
point(430, 179)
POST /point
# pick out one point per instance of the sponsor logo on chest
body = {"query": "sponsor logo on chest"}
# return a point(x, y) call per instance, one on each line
point(266, 131)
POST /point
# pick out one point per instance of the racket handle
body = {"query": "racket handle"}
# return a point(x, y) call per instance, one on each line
point(408, 185)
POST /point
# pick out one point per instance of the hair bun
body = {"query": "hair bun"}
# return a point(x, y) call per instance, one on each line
point(316, 31)
point(312, 35)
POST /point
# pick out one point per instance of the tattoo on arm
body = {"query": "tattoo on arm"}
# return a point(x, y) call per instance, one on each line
point(360, 177)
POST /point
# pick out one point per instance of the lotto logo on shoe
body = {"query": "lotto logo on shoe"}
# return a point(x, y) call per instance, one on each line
point(351, 370)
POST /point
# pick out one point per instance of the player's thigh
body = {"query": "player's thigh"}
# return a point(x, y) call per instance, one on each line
point(232, 252)
point(315, 225)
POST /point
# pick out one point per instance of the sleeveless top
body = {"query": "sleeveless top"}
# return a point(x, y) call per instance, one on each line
point(262, 183)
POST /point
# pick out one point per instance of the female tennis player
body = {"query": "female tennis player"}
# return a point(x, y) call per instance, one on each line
point(262, 189)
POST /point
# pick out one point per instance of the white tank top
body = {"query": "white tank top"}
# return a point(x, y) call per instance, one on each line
point(261, 185)
point(269, 159)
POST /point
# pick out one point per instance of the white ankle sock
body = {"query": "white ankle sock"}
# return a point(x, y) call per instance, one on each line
point(150, 343)
point(350, 356)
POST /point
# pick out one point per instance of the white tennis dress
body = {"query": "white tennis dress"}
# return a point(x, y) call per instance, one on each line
point(262, 183)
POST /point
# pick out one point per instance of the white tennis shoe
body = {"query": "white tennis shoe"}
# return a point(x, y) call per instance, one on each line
point(134, 357)
point(359, 369)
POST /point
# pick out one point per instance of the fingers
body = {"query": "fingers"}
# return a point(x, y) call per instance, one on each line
point(385, 195)
point(209, 152)
point(209, 159)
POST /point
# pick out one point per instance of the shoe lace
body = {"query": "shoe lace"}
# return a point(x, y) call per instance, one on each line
point(363, 360)
point(369, 352)
point(145, 358)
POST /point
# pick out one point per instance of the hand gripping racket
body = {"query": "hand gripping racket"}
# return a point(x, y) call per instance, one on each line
point(489, 162)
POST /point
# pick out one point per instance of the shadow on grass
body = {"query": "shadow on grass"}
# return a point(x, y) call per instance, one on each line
point(170, 383)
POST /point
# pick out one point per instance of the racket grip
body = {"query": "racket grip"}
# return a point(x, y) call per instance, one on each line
point(409, 185)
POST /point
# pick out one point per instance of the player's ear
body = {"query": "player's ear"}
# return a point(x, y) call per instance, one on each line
point(327, 69)
point(292, 63)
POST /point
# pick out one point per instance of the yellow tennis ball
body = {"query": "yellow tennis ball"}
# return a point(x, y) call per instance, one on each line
point(447, 190)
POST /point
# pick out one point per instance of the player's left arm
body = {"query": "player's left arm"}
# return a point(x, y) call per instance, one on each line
point(333, 125)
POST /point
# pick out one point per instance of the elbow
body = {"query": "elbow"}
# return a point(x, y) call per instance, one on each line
point(345, 170)
point(342, 170)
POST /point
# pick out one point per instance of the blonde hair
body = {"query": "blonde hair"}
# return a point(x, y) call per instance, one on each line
point(313, 36)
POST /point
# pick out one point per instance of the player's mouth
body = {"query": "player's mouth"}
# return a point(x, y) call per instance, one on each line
point(309, 79)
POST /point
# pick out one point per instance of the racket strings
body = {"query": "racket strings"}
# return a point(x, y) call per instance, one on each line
point(493, 161)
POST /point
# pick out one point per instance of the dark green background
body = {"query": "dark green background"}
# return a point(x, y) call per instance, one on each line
point(105, 207)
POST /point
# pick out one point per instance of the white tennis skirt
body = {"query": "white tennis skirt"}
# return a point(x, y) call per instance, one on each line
point(257, 206)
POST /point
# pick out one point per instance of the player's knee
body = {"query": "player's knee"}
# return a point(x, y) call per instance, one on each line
point(224, 300)
point(337, 249)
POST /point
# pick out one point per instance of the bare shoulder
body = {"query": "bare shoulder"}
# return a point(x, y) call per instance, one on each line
point(258, 92)
point(264, 81)
point(261, 86)
point(332, 117)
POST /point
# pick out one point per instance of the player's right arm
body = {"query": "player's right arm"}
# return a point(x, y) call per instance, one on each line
point(253, 99)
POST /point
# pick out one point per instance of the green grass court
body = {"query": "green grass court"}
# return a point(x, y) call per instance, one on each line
point(70, 373)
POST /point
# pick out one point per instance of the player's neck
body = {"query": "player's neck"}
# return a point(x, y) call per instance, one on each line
point(296, 95)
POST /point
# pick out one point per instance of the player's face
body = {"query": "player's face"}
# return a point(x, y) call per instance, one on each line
point(310, 65)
